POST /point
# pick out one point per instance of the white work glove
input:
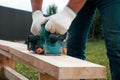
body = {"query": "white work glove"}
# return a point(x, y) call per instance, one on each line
point(38, 20)
point(60, 22)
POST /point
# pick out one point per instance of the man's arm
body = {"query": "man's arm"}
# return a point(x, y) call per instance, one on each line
point(60, 22)
point(36, 5)
point(37, 16)
point(76, 5)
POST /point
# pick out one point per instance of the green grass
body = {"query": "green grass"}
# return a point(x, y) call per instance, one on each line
point(96, 53)
point(26, 71)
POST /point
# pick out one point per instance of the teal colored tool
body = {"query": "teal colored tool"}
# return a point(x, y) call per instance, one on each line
point(46, 43)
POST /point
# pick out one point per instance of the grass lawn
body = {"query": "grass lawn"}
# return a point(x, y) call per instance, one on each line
point(95, 53)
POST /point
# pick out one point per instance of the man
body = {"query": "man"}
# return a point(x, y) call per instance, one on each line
point(80, 24)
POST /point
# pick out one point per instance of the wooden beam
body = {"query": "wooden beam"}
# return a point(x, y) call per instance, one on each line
point(59, 67)
point(44, 76)
point(6, 54)
point(4, 61)
point(13, 75)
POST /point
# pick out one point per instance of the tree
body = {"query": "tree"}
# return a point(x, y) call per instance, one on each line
point(96, 29)
point(52, 9)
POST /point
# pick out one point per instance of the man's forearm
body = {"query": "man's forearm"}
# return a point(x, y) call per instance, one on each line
point(76, 5)
point(36, 4)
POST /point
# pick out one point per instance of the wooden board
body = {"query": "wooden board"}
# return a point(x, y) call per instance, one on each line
point(60, 67)
point(13, 75)
point(5, 61)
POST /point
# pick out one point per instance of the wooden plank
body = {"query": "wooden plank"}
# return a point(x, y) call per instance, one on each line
point(44, 76)
point(4, 61)
point(4, 53)
point(13, 75)
point(60, 67)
